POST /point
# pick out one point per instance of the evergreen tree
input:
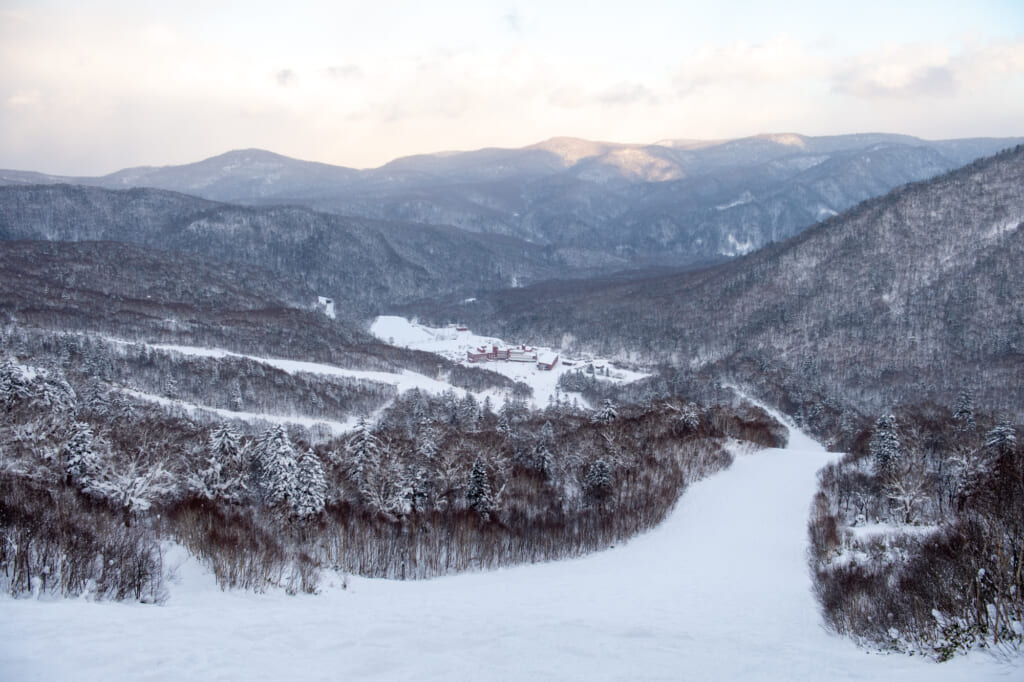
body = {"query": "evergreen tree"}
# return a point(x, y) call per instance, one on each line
point(1001, 440)
point(223, 474)
point(963, 412)
point(478, 493)
point(95, 398)
point(226, 444)
point(276, 468)
point(469, 411)
point(504, 428)
point(79, 456)
point(311, 487)
point(362, 447)
point(426, 445)
point(885, 446)
point(13, 387)
point(598, 481)
point(543, 455)
point(606, 414)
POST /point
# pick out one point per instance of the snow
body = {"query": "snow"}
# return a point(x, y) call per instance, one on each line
point(736, 247)
point(720, 591)
point(870, 530)
point(334, 427)
point(453, 344)
point(745, 198)
point(403, 381)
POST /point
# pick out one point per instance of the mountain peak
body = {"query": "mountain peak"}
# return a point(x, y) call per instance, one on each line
point(572, 150)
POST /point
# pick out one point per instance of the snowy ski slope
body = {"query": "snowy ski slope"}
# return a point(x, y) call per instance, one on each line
point(720, 591)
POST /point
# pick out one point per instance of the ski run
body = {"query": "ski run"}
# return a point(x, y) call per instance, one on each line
point(720, 591)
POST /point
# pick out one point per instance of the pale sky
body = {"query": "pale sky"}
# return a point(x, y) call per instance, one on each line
point(88, 87)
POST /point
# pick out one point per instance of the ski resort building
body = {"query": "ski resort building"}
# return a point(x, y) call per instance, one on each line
point(520, 354)
point(547, 362)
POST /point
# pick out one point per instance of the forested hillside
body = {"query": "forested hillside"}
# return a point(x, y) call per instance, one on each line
point(906, 298)
point(361, 263)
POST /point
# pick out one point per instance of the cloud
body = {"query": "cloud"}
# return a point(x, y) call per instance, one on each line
point(929, 81)
point(285, 77)
point(344, 72)
point(913, 71)
point(625, 94)
point(23, 99)
point(777, 60)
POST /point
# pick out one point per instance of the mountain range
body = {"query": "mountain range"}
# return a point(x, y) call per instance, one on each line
point(903, 297)
point(673, 203)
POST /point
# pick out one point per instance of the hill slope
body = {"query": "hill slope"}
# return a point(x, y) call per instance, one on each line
point(359, 262)
point(905, 298)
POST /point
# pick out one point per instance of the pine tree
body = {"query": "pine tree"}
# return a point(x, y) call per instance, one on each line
point(223, 474)
point(1002, 439)
point(504, 428)
point(478, 493)
point(13, 387)
point(885, 446)
point(598, 481)
point(80, 459)
point(689, 417)
point(311, 487)
point(963, 412)
point(276, 468)
point(606, 414)
point(543, 455)
point(362, 448)
point(226, 444)
point(426, 445)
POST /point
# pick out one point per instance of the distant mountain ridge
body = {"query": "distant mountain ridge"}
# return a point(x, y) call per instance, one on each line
point(362, 263)
point(675, 203)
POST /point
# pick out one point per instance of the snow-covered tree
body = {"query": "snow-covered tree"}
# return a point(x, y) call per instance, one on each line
point(885, 446)
point(478, 492)
point(362, 448)
point(469, 411)
point(606, 414)
point(543, 453)
point(311, 487)
point(131, 486)
point(49, 392)
point(226, 444)
point(1002, 439)
point(96, 399)
point(386, 486)
point(81, 462)
point(222, 474)
point(504, 427)
point(426, 445)
point(689, 417)
point(276, 468)
point(598, 481)
point(13, 386)
point(963, 411)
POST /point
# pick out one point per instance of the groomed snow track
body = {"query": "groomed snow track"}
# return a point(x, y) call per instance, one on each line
point(720, 591)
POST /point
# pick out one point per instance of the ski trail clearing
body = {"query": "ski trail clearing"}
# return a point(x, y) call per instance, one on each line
point(720, 591)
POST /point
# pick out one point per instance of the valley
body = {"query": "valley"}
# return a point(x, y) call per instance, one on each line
point(620, 364)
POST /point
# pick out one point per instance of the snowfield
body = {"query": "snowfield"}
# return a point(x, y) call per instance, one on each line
point(452, 344)
point(720, 591)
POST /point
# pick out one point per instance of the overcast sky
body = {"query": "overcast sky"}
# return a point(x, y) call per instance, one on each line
point(88, 87)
